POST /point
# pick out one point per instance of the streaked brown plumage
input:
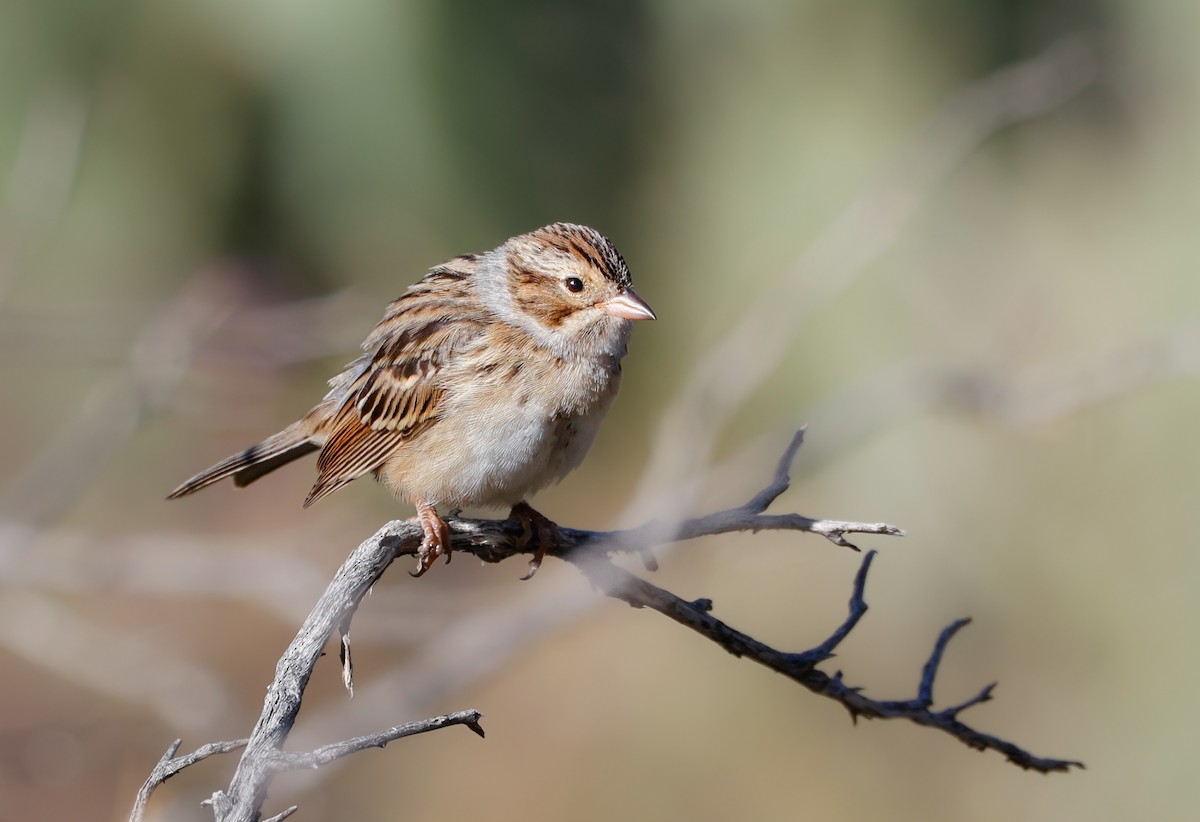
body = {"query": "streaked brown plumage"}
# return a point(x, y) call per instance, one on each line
point(482, 383)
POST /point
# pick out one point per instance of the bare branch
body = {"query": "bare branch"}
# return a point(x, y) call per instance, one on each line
point(283, 760)
point(858, 607)
point(277, 761)
point(493, 541)
point(332, 612)
point(169, 765)
point(489, 540)
point(801, 667)
point(930, 671)
point(783, 476)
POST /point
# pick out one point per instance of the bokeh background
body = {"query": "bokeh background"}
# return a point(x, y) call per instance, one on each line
point(976, 283)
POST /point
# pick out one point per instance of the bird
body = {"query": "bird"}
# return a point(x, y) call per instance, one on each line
point(484, 382)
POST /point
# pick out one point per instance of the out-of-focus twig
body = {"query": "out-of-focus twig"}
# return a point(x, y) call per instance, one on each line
point(49, 633)
point(1054, 392)
point(1067, 388)
point(741, 361)
point(133, 669)
point(157, 362)
point(259, 335)
point(184, 566)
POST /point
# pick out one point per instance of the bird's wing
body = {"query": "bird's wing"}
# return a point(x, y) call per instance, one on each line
point(400, 392)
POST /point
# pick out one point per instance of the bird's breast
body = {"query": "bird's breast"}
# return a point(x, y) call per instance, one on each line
point(506, 433)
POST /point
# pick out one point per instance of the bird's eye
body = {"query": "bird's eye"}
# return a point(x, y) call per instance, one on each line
point(574, 284)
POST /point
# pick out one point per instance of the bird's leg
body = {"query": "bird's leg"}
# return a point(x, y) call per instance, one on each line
point(436, 541)
point(547, 534)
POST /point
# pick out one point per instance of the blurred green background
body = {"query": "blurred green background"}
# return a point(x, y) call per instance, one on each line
point(205, 205)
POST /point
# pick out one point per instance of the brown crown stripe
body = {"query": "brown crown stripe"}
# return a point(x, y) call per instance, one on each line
point(583, 252)
point(613, 265)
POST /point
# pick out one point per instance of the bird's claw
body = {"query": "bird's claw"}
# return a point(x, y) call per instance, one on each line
point(548, 535)
point(436, 541)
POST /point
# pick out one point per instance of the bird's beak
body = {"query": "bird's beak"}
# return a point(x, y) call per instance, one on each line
point(628, 306)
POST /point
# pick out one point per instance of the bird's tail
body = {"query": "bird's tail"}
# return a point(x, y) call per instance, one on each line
point(246, 466)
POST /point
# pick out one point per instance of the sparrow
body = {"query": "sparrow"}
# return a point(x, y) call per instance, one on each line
point(483, 383)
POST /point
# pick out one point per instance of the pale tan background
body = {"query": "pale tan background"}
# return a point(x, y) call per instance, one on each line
point(231, 192)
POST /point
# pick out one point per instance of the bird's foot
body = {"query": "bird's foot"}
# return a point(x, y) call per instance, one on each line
point(547, 534)
point(436, 541)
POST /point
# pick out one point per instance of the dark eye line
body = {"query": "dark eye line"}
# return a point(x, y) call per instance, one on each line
point(573, 284)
